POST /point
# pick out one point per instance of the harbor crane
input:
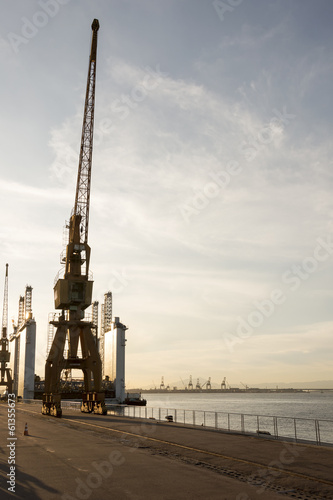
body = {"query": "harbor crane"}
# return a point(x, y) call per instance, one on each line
point(224, 384)
point(73, 291)
point(207, 384)
point(6, 378)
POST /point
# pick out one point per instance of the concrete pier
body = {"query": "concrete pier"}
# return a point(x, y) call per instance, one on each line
point(83, 456)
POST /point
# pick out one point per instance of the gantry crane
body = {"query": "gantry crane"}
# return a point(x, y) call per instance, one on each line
point(73, 292)
point(6, 378)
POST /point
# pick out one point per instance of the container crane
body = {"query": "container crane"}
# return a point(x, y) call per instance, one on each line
point(6, 378)
point(73, 291)
point(207, 384)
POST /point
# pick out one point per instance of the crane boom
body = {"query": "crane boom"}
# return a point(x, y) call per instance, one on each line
point(5, 307)
point(82, 196)
point(74, 291)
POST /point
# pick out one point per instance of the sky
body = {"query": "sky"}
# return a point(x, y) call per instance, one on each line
point(211, 197)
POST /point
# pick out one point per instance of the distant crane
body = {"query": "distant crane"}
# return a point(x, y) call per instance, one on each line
point(246, 386)
point(198, 386)
point(162, 386)
point(6, 378)
point(207, 384)
point(224, 384)
point(73, 292)
point(190, 384)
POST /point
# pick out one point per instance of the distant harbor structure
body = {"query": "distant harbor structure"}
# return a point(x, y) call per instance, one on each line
point(207, 387)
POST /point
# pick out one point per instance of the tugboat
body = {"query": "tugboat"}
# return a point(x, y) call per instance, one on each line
point(134, 398)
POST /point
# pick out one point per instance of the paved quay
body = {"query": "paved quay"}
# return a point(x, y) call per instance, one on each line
point(85, 456)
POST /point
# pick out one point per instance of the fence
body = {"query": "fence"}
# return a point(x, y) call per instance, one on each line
point(303, 430)
point(300, 430)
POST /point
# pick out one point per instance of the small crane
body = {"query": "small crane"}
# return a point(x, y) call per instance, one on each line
point(6, 378)
point(73, 292)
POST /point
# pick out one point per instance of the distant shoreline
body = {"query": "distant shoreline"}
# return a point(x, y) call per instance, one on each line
point(226, 391)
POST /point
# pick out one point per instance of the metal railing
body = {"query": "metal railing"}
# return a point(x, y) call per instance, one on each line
point(299, 430)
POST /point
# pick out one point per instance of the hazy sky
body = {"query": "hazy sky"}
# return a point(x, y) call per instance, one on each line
point(212, 182)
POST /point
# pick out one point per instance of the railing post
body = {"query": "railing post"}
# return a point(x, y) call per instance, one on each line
point(276, 433)
point(159, 414)
point(193, 417)
point(295, 430)
point(319, 440)
point(242, 423)
point(175, 415)
point(228, 422)
point(216, 421)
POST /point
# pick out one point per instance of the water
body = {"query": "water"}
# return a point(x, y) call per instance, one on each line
point(238, 412)
point(314, 405)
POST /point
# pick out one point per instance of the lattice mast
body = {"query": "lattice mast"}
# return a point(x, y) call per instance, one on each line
point(5, 307)
point(5, 372)
point(95, 320)
point(74, 291)
point(82, 196)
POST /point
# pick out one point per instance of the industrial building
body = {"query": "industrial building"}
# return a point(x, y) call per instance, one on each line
point(23, 348)
point(114, 357)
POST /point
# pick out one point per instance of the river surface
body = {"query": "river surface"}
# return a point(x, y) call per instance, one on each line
point(314, 405)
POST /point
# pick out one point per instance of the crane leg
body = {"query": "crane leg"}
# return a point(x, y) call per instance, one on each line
point(53, 366)
point(92, 400)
